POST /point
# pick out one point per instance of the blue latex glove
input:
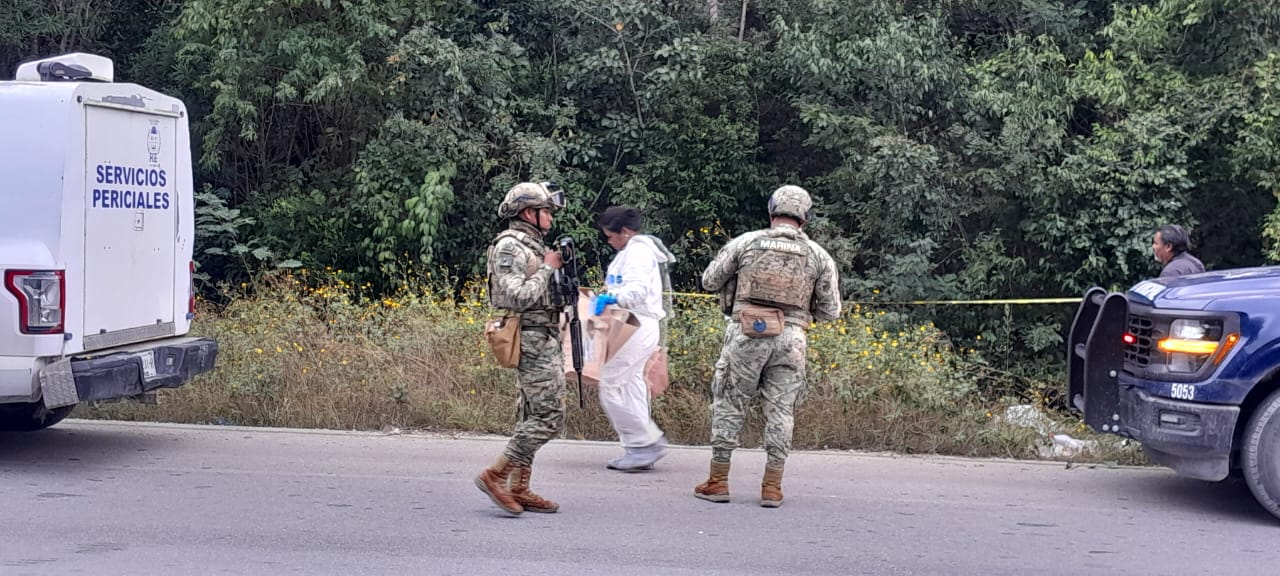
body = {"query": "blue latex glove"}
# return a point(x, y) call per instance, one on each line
point(604, 300)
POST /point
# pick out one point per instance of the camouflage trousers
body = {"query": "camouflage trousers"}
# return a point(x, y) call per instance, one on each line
point(774, 368)
point(540, 407)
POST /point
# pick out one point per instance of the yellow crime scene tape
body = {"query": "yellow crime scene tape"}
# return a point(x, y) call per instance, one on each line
point(1004, 301)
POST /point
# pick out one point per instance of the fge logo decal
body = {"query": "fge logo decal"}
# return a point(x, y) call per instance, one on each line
point(153, 143)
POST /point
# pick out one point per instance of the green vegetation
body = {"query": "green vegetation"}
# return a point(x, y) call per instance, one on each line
point(958, 149)
point(311, 350)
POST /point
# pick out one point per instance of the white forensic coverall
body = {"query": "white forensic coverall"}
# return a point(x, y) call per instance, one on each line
point(634, 279)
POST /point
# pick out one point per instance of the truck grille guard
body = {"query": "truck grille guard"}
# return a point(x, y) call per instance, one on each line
point(1096, 355)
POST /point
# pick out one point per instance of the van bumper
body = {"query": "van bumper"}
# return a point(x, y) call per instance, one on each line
point(126, 371)
point(141, 368)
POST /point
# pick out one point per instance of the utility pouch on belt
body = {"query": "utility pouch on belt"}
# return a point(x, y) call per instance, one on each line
point(760, 321)
point(503, 335)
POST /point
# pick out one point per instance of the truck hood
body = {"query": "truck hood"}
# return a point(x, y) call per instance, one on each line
point(1199, 291)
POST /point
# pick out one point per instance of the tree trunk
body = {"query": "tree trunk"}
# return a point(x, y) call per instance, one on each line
point(742, 25)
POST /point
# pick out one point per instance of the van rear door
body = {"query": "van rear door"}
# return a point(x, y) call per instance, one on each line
point(131, 226)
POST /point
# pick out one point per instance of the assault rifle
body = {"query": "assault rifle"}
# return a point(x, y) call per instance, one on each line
point(564, 292)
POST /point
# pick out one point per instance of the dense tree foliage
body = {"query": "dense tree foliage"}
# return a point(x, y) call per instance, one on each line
point(958, 148)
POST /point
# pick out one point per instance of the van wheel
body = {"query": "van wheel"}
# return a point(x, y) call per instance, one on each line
point(30, 417)
point(1260, 455)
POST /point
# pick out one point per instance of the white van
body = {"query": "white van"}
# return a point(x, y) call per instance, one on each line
point(97, 222)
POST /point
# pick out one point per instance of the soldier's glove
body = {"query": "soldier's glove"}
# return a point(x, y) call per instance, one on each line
point(602, 301)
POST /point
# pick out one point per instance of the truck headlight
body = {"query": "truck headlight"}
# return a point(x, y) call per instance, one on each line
point(1185, 329)
point(1193, 342)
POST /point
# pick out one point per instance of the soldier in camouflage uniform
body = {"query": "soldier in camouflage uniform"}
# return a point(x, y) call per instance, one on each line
point(521, 269)
point(765, 276)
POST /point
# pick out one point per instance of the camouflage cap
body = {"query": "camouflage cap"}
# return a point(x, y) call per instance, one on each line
point(791, 201)
point(531, 195)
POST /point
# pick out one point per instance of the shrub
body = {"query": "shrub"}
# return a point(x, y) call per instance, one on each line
point(309, 349)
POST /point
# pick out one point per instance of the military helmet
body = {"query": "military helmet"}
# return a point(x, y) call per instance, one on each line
point(791, 201)
point(531, 195)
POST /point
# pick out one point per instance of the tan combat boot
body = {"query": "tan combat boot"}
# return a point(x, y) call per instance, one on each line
point(528, 500)
point(716, 488)
point(771, 487)
point(493, 482)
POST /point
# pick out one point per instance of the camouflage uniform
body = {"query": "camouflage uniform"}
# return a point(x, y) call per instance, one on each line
point(520, 282)
point(773, 367)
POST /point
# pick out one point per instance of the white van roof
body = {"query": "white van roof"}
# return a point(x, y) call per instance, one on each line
point(76, 66)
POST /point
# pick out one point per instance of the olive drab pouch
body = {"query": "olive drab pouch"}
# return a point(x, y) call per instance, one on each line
point(503, 334)
point(760, 321)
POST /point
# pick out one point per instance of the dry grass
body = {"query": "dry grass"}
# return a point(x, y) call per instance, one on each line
point(312, 351)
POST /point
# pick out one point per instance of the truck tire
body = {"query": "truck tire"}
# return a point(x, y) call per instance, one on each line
point(31, 417)
point(1260, 454)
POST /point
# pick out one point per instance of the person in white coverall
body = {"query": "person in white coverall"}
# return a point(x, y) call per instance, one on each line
point(634, 283)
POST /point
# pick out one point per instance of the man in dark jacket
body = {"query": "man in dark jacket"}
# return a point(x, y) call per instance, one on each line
point(1170, 246)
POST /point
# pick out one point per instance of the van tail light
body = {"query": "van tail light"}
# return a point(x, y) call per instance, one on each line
point(191, 292)
point(42, 297)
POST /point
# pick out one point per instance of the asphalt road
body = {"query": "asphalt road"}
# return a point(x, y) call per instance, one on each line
point(105, 498)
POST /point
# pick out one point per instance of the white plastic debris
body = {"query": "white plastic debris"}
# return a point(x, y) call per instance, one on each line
point(1029, 416)
point(1066, 446)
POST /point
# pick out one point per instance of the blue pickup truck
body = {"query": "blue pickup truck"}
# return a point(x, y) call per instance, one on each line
point(1190, 368)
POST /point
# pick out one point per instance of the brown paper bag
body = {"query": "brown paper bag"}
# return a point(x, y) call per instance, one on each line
point(656, 374)
point(622, 324)
point(594, 342)
point(602, 337)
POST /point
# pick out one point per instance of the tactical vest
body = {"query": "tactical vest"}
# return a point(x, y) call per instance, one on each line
point(549, 315)
point(777, 274)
